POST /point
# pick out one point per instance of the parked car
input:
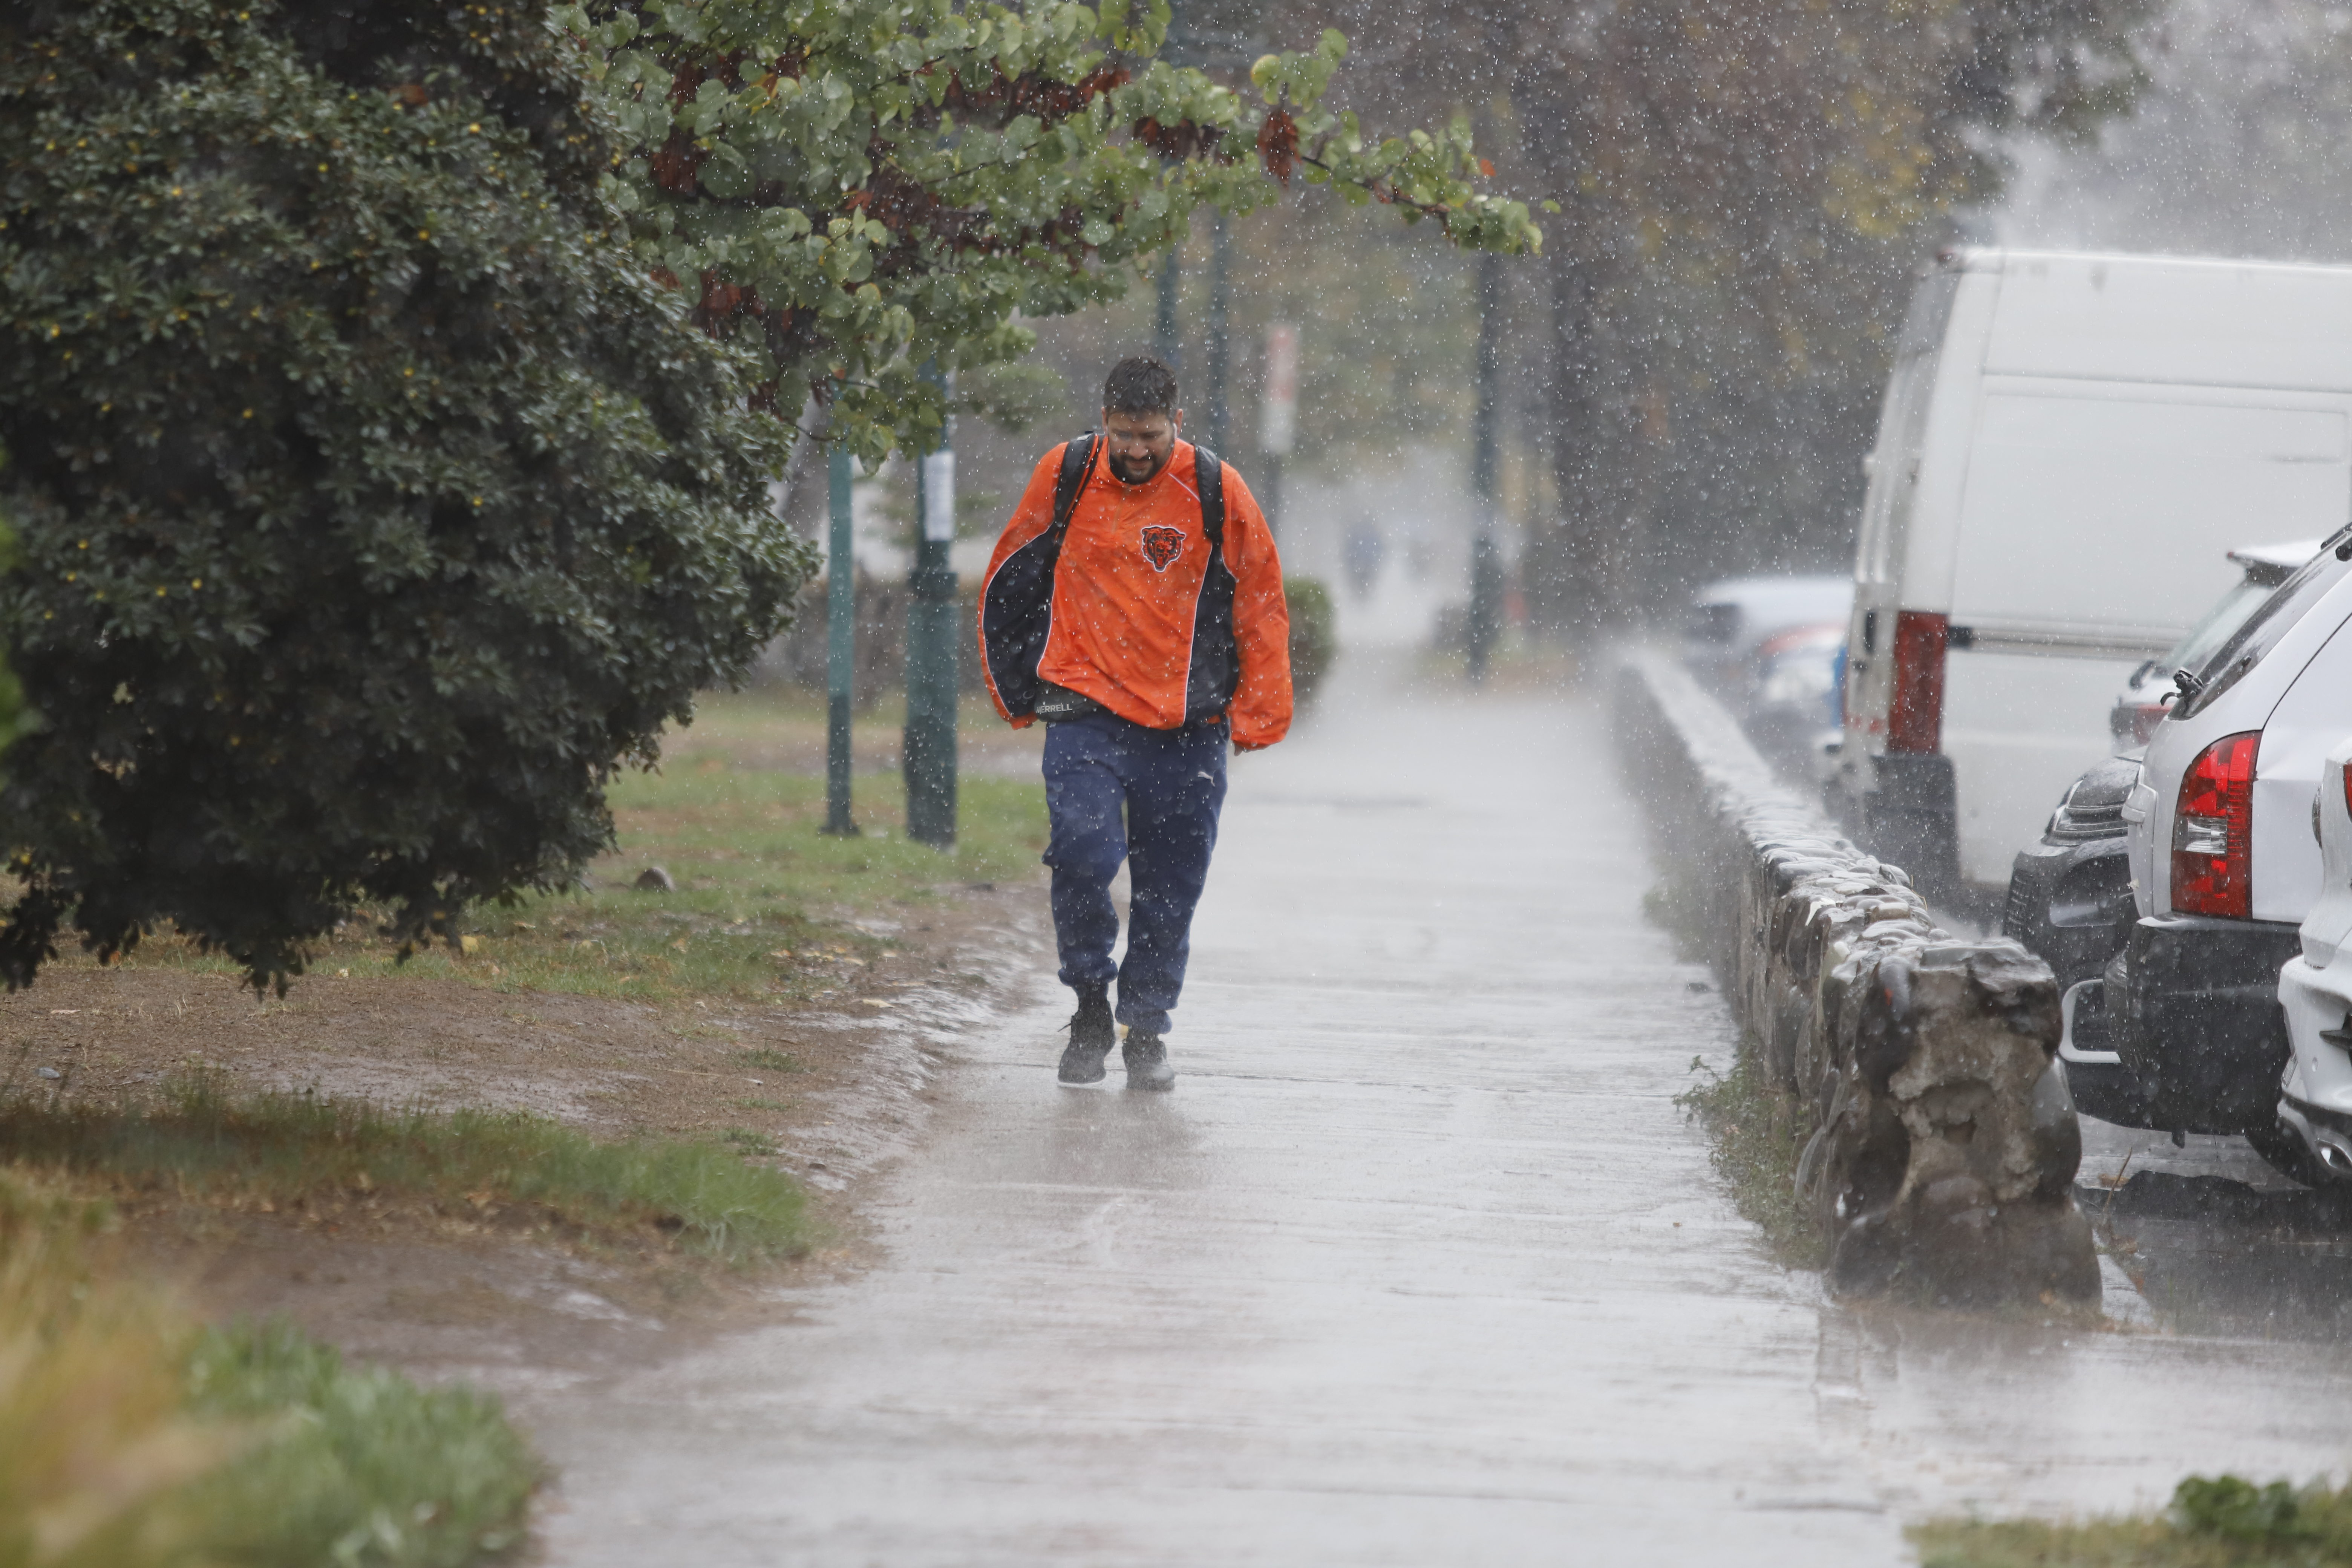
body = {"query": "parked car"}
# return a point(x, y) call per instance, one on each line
point(2224, 863)
point(1728, 621)
point(2150, 690)
point(2067, 445)
point(2070, 896)
point(1793, 696)
point(2315, 989)
point(1769, 646)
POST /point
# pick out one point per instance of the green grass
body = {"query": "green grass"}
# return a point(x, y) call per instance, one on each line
point(361, 1466)
point(132, 1438)
point(763, 899)
point(2221, 1522)
point(752, 1141)
point(1756, 1132)
point(768, 1060)
point(288, 1149)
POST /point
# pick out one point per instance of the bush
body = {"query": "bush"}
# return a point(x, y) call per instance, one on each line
point(373, 505)
point(1313, 644)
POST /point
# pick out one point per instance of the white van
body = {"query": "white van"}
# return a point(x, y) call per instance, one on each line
point(2068, 446)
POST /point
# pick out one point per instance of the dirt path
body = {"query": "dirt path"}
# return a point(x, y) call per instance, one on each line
point(837, 1090)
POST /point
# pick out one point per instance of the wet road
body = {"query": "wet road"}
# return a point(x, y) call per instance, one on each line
point(1420, 1263)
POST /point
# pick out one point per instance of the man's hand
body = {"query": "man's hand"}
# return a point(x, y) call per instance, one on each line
point(1245, 746)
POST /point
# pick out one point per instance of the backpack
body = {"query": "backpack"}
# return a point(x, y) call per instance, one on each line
point(1016, 608)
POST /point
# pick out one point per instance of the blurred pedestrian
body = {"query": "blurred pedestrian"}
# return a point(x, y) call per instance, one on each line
point(1135, 605)
point(1361, 553)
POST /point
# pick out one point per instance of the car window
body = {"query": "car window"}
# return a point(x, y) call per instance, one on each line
point(2217, 625)
point(2250, 643)
point(1711, 623)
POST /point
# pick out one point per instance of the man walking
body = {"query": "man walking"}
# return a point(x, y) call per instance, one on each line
point(1135, 605)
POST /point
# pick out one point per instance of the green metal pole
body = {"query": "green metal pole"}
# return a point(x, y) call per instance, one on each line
point(840, 646)
point(932, 633)
point(1485, 561)
point(1220, 251)
point(1164, 340)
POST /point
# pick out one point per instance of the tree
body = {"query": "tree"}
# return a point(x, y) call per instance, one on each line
point(372, 504)
point(11, 694)
point(1748, 185)
point(856, 189)
point(378, 493)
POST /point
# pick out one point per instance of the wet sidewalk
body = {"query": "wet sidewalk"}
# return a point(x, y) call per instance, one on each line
point(1420, 1264)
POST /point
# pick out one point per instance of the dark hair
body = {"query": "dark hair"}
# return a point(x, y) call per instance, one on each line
point(1139, 386)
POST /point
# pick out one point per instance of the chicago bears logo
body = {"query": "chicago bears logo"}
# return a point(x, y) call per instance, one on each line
point(1162, 546)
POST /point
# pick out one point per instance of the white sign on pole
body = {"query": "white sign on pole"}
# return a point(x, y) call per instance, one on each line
point(938, 497)
point(1277, 415)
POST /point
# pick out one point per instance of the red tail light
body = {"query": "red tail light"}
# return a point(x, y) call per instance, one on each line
point(2213, 831)
point(1915, 721)
point(2347, 789)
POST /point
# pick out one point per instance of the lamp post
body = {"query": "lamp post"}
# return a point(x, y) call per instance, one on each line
point(840, 646)
point(928, 754)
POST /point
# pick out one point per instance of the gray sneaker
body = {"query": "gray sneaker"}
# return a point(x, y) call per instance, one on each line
point(1092, 1034)
point(1147, 1061)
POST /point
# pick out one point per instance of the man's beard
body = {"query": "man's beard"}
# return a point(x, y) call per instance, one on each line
point(1151, 467)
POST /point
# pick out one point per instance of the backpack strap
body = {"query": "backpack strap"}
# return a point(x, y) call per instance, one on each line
point(1209, 473)
point(1214, 672)
point(1078, 459)
point(1078, 466)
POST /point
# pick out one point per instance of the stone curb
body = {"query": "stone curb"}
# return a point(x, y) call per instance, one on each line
point(1942, 1160)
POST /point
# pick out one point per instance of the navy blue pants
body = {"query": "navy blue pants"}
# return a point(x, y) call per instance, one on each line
point(1116, 791)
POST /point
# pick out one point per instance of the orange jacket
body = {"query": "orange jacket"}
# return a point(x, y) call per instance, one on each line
point(1143, 621)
